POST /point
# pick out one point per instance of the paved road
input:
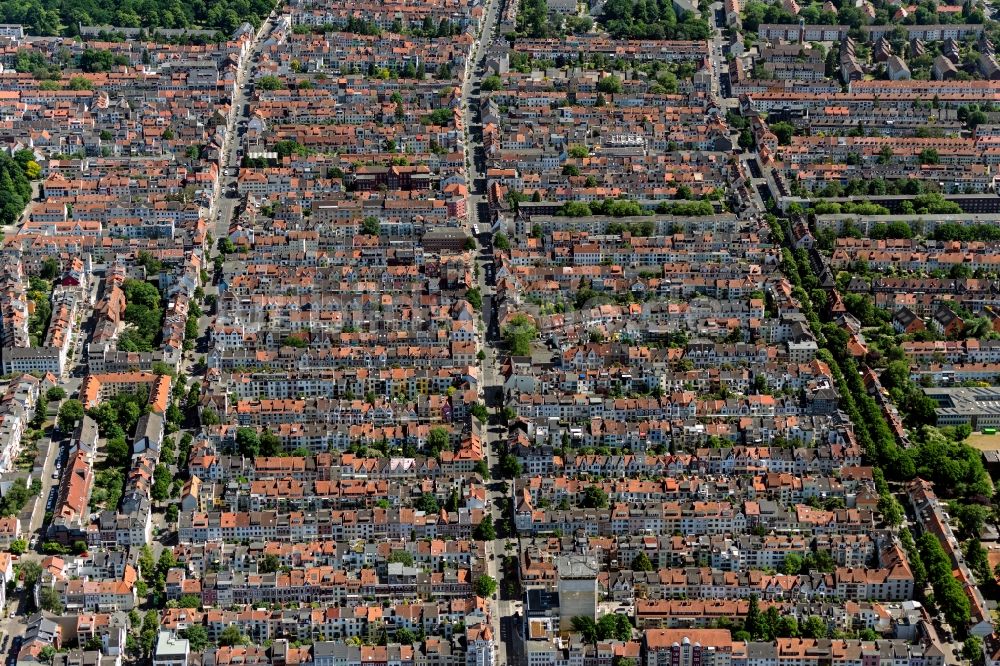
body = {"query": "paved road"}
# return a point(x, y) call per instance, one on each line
point(223, 206)
point(503, 618)
point(52, 451)
point(229, 164)
point(470, 102)
point(720, 66)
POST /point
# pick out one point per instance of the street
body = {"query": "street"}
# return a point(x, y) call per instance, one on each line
point(225, 201)
point(229, 162)
point(505, 624)
point(717, 58)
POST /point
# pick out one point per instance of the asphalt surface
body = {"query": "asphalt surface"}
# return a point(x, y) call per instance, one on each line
point(504, 619)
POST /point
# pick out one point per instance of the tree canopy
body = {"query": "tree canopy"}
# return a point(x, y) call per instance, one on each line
point(486, 586)
point(44, 17)
point(15, 186)
point(651, 19)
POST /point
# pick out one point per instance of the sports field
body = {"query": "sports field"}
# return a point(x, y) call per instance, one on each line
point(985, 442)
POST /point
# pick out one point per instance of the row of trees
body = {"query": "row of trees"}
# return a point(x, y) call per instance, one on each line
point(850, 207)
point(197, 636)
point(45, 17)
point(16, 174)
point(250, 443)
point(972, 232)
point(936, 454)
point(628, 208)
point(948, 592)
point(871, 430)
point(609, 627)
point(651, 19)
point(40, 294)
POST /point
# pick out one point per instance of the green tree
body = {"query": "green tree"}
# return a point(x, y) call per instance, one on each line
point(189, 601)
point(475, 298)
point(623, 628)
point(269, 83)
point(404, 557)
point(485, 586)
point(485, 531)
point(792, 564)
point(50, 600)
point(972, 649)
point(770, 623)
point(117, 451)
point(491, 83)
point(482, 469)
point(478, 410)
point(196, 636)
point(971, 517)
point(519, 334)
point(248, 442)
point(438, 439)
point(586, 627)
point(231, 636)
point(50, 268)
point(371, 226)
point(225, 245)
point(606, 627)
point(16, 497)
point(753, 621)
point(509, 467)
point(70, 413)
point(30, 573)
point(405, 637)
point(814, 627)
point(270, 444)
point(150, 628)
point(788, 627)
point(166, 562)
point(783, 131)
point(576, 209)
point(978, 560)
point(427, 503)
point(594, 497)
point(100, 60)
point(269, 563)
point(641, 562)
point(79, 83)
point(610, 84)
point(161, 483)
point(147, 565)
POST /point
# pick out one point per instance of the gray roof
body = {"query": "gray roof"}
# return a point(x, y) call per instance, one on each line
point(86, 431)
point(169, 645)
point(151, 426)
